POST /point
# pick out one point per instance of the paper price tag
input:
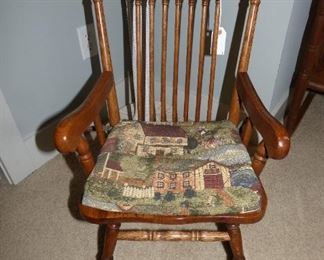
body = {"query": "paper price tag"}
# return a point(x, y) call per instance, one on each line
point(221, 41)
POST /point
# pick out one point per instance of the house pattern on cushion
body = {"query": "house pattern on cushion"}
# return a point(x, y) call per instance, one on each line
point(162, 140)
point(208, 175)
point(188, 168)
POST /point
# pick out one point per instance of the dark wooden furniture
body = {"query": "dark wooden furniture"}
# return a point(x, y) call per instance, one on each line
point(310, 70)
point(69, 136)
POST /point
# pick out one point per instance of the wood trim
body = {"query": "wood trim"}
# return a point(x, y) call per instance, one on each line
point(100, 130)
point(236, 241)
point(151, 59)
point(247, 130)
point(213, 61)
point(234, 114)
point(316, 82)
point(177, 28)
point(85, 155)
point(101, 216)
point(103, 35)
point(201, 59)
point(248, 36)
point(173, 235)
point(139, 60)
point(70, 129)
point(259, 159)
point(190, 32)
point(112, 100)
point(165, 10)
point(111, 234)
point(276, 138)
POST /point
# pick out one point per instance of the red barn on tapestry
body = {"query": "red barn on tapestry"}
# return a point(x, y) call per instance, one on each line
point(213, 179)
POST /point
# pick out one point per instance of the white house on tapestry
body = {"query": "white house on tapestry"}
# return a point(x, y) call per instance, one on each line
point(162, 139)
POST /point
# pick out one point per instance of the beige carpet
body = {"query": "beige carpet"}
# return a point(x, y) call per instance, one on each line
point(39, 220)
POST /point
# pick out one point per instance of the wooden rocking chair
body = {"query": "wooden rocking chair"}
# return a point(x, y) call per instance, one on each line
point(216, 182)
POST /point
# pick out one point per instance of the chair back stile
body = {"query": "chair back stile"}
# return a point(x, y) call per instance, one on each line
point(234, 113)
point(112, 103)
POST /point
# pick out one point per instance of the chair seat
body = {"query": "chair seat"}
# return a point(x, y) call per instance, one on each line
point(174, 169)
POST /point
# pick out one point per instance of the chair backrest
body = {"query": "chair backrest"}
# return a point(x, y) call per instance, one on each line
point(140, 5)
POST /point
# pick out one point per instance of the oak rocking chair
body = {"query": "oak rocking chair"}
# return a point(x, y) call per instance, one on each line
point(178, 172)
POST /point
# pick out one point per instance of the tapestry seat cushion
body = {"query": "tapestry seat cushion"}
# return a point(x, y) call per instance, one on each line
point(173, 169)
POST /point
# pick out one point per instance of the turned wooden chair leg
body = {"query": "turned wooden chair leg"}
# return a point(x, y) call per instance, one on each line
point(294, 114)
point(259, 159)
point(110, 241)
point(236, 242)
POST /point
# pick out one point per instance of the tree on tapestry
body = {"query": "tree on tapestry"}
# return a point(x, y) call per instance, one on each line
point(189, 192)
point(169, 196)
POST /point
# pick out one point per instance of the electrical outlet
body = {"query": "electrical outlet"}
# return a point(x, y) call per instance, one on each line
point(87, 41)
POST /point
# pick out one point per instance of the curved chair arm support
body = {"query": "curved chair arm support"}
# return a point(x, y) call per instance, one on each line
point(69, 131)
point(276, 138)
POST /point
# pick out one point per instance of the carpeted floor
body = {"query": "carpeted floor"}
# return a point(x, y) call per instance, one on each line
point(39, 217)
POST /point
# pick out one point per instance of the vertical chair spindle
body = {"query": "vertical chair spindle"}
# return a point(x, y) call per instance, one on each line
point(139, 60)
point(100, 131)
point(190, 32)
point(213, 60)
point(259, 159)
point(203, 28)
point(177, 29)
point(85, 155)
point(151, 59)
point(246, 132)
point(165, 11)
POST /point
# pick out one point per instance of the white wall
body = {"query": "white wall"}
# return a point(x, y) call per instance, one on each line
point(42, 74)
point(41, 68)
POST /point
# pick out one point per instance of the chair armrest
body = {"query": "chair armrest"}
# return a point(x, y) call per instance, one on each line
point(69, 131)
point(276, 138)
